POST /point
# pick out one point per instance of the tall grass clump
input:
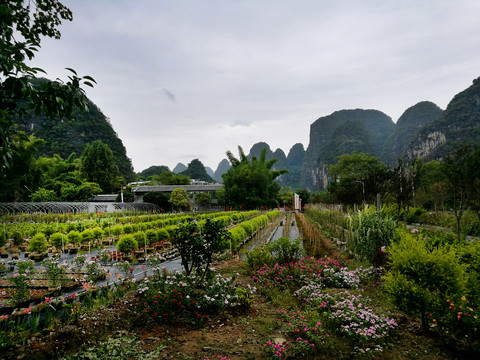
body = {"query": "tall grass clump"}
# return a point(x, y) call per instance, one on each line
point(372, 230)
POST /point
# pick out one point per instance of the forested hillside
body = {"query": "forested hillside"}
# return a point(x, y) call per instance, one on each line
point(458, 125)
point(66, 136)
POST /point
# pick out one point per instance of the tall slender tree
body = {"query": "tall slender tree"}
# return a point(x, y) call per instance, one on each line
point(98, 165)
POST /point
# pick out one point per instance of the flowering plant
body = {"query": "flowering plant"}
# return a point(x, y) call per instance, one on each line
point(21, 281)
point(54, 270)
point(168, 296)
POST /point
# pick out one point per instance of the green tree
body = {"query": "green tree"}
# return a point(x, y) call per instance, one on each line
point(432, 185)
point(21, 178)
point(357, 178)
point(127, 244)
point(404, 180)
point(473, 166)
point(203, 199)
point(460, 171)
point(167, 177)
point(22, 26)
point(38, 243)
point(87, 190)
point(220, 196)
point(158, 198)
point(179, 198)
point(98, 166)
point(197, 249)
point(251, 184)
point(304, 195)
point(152, 170)
point(285, 197)
point(44, 195)
point(196, 170)
point(128, 195)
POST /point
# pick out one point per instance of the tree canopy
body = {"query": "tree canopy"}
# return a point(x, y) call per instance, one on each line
point(196, 170)
point(22, 25)
point(251, 184)
point(179, 198)
point(358, 177)
point(98, 165)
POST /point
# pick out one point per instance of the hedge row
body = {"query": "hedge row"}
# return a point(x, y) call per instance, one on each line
point(246, 229)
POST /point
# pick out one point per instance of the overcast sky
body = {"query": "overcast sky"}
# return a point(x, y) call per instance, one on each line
point(181, 80)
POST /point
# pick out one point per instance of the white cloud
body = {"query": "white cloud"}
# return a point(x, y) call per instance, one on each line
point(179, 78)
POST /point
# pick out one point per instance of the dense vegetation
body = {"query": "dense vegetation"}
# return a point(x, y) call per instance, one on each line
point(196, 170)
point(250, 184)
point(66, 136)
point(464, 112)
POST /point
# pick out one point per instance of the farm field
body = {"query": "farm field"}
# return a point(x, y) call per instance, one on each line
point(274, 296)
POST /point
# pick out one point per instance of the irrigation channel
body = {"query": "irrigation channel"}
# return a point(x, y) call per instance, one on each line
point(286, 227)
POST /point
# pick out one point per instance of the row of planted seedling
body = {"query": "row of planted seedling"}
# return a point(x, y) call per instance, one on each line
point(245, 230)
point(27, 284)
point(22, 230)
point(145, 233)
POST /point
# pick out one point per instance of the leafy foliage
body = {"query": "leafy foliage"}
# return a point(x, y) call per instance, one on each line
point(115, 349)
point(197, 249)
point(372, 230)
point(179, 198)
point(203, 199)
point(38, 243)
point(158, 198)
point(23, 24)
point(357, 177)
point(284, 250)
point(250, 184)
point(196, 170)
point(152, 170)
point(98, 165)
point(126, 244)
point(421, 280)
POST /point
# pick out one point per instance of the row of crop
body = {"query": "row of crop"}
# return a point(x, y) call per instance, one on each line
point(243, 231)
point(20, 232)
point(146, 234)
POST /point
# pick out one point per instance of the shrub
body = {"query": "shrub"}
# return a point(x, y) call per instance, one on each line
point(38, 243)
point(126, 244)
point(169, 297)
point(127, 229)
point(48, 230)
point(238, 235)
point(56, 240)
point(86, 235)
point(259, 257)
point(470, 256)
point(284, 250)
point(16, 237)
point(421, 280)
point(97, 233)
point(162, 234)
point(116, 230)
point(248, 227)
point(3, 239)
point(151, 236)
point(139, 237)
point(73, 237)
point(197, 249)
point(415, 214)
